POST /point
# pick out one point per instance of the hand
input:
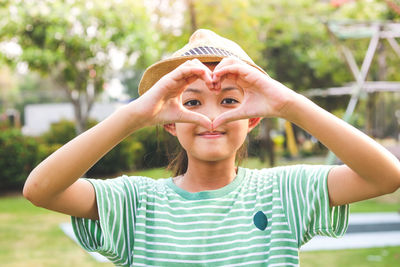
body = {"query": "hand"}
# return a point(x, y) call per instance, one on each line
point(263, 96)
point(162, 104)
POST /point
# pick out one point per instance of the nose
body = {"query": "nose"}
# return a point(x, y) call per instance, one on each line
point(212, 111)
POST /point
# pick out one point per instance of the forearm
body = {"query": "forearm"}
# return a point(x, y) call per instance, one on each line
point(358, 151)
point(66, 165)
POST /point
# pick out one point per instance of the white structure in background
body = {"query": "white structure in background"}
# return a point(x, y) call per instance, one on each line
point(39, 117)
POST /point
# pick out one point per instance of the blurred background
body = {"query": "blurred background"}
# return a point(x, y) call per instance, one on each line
point(66, 65)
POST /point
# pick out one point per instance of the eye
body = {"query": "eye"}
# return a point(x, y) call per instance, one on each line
point(192, 103)
point(229, 101)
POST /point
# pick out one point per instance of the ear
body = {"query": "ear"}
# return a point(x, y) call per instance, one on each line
point(253, 122)
point(170, 127)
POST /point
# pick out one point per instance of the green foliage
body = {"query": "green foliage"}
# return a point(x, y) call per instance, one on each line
point(288, 38)
point(45, 150)
point(76, 43)
point(147, 148)
point(371, 10)
point(234, 20)
point(157, 144)
point(18, 156)
point(60, 132)
point(125, 156)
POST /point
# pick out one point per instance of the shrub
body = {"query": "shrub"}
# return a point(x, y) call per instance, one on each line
point(45, 150)
point(157, 145)
point(125, 156)
point(146, 148)
point(18, 156)
point(60, 132)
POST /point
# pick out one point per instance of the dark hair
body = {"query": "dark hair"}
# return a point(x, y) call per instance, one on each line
point(178, 162)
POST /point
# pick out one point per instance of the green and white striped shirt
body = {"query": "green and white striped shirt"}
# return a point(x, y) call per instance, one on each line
point(261, 218)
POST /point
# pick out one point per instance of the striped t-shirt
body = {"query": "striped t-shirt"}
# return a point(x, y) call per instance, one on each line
point(261, 218)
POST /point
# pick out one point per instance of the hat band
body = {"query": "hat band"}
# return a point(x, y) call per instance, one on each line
point(207, 50)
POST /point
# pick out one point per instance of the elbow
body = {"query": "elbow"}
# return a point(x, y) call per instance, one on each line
point(30, 192)
point(393, 187)
point(397, 186)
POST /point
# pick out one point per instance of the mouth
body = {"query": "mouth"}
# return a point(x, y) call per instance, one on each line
point(213, 134)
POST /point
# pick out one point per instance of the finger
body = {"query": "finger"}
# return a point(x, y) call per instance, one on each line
point(231, 71)
point(232, 115)
point(195, 117)
point(189, 73)
point(228, 61)
point(207, 75)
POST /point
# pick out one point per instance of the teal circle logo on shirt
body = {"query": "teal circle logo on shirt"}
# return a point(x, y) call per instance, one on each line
point(260, 220)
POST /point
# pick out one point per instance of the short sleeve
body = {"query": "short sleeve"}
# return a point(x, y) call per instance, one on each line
point(305, 197)
point(113, 234)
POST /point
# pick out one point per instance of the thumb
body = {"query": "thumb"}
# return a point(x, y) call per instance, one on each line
point(228, 116)
point(195, 117)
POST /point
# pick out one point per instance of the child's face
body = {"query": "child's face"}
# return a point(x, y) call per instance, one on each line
point(224, 141)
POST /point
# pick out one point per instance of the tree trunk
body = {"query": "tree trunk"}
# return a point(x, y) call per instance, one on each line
point(193, 16)
point(270, 143)
point(380, 116)
point(375, 122)
point(82, 103)
point(265, 141)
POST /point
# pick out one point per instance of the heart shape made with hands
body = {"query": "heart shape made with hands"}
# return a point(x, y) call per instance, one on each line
point(244, 77)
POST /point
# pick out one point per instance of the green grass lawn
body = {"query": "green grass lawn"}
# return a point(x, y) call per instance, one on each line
point(30, 236)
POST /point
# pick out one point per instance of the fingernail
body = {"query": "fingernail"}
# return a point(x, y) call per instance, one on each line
point(215, 78)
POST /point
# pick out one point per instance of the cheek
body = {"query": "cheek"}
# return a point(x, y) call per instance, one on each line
point(239, 129)
point(184, 132)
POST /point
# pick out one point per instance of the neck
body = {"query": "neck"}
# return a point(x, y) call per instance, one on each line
point(202, 176)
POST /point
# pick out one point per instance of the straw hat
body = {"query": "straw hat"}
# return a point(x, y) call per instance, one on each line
point(205, 45)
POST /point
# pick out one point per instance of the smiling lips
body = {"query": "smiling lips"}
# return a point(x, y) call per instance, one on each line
point(213, 134)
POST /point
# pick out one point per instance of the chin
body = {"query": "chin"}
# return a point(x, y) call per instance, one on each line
point(213, 156)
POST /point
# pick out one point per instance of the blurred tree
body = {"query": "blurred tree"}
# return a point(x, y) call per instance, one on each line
point(7, 88)
point(297, 49)
point(232, 19)
point(78, 43)
point(287, 38)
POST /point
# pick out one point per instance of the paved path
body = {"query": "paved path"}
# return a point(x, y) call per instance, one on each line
point(395, 150)
point(67, 229)
point(366, 230)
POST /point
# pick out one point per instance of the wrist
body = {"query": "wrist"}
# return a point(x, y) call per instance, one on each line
point(288, 106)
point(308, 115)
point(295, 108)
point(132, 117)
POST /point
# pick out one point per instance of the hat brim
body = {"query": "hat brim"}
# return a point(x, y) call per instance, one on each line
point(156, 71)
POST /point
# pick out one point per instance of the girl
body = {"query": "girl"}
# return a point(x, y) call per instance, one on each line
point(209, 95)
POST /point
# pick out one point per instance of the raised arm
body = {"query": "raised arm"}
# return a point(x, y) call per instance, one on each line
point(369, 170)
point(54, 184)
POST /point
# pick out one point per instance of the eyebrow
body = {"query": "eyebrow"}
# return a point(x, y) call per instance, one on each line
point(197, 91)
